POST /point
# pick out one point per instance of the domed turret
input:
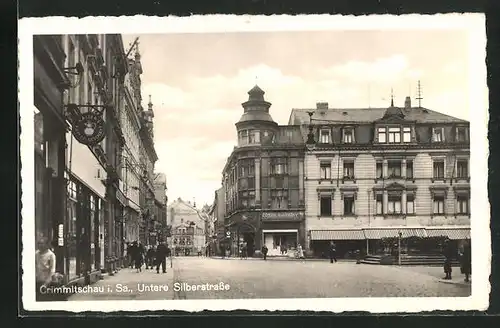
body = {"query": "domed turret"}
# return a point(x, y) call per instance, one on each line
point(256, 108)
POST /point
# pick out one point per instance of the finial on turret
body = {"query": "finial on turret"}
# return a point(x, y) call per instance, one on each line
point(392, 97)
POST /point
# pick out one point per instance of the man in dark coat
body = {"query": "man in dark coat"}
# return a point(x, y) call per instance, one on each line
point(264, 252)
point(150, 257)
point(448, 256)
point(162, 251)
point(332, 251)
point(466, 261)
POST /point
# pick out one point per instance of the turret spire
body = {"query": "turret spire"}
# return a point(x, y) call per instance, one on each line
point(392, 97)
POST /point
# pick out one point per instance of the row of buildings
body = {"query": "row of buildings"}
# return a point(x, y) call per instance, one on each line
point(96, 188)
point(361, 177)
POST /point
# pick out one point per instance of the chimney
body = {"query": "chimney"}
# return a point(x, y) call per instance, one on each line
point(408, 103)
point(322, 105)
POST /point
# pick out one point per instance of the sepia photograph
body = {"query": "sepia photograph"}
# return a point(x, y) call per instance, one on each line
point(281, 163)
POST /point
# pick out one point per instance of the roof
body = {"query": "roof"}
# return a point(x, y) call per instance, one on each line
point(369, 115)
point(255, 115)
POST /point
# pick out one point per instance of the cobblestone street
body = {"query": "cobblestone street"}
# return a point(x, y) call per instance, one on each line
point(254, 278)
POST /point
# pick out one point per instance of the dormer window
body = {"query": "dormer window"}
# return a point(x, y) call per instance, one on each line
point(381, 133)
point(462, 134)
point(395, 135)
point(437, 135)
point(348, 136)
point(406, 134)
point(325, 136)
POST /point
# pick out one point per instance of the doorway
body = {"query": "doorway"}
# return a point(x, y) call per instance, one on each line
point(249, 240)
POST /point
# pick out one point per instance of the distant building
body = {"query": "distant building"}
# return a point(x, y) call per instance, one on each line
point(161, 199)
point(188, 227)
point(378, 174)
point(263, 181)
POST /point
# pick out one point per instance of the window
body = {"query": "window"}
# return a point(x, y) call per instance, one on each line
point(279, 199)
point(279, 168)
point(409, 169)
point(438, 204)
point(439, 170)
point(382, 135)
point(247, 199)
point(462, 169)
point(326, 206)
point(348, 205)
point(437, 135)
point(379, 170)
point(406, 134)
point(325, 171)
point(379, 207)
point(349, 170)
point(348, 136)
point(461, 134)
point(254, 136)
point(394, 135)
point(410, 204)
point(243, 136)
point(289, 134)
point(462, 204)
point(325, 136)
point(90, 97)
point(394, 169)
point(394, 204)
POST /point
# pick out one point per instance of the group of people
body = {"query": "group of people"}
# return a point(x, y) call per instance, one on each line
point(464, 257)
point(151, 256)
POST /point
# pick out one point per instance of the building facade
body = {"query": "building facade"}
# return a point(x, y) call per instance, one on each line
point(377, 175)
point(263, 182)
point(160, 185)
point(188, 233)
point(217, 215)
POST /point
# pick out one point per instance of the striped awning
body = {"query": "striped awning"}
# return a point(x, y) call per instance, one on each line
point(337, 235)
point(393, 233)
point(453, 234)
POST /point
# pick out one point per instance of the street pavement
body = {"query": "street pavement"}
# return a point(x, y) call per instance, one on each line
point(215, 278)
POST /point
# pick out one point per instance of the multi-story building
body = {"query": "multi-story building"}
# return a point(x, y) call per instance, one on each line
point(375, 174)
point(263, 181)
point(217, 214)
point(160, 185)
point(188, 233)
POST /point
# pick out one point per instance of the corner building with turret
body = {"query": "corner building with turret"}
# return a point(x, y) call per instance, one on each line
point(263, 181)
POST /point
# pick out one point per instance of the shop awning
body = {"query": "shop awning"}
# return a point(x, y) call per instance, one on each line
point(393, 233)
point(453, 234)
point(337, 235)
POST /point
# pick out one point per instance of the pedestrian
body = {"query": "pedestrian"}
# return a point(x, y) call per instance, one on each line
point(300, 252)
point(466, 261)
point(448, 255)
point(264, 251)
point(150, 257)
point(244, 251)
point(138, 256)
point(162, 251)
point(45, 266)
point(130, 262)
point(333, 252)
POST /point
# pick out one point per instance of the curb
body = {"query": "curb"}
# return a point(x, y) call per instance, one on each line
point(459, 283)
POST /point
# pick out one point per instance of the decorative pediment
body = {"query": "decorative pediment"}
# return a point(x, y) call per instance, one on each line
point(395, 186)
point(461, 190)
point(324, 191)
point(347, 188)
point(439, 190)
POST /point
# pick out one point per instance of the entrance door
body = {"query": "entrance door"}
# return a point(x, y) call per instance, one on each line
point(249, 239)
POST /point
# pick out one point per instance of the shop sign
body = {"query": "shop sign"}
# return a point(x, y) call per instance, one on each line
point(282, 216)
point(88, 128)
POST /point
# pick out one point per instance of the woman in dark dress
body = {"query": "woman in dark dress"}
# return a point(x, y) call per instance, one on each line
point(466, 261)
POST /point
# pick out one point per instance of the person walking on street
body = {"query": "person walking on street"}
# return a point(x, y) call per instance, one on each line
point(448, 255)
point(300, 252)
point(466, 261)
point(333, 252)
point(45, 266)
point(162, 251)
point(150, 257)
point(137, 254)
point(264, 252)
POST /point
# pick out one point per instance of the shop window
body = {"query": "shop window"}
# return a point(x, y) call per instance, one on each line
point(409, 169)
point(395, 135)
point(379, 170)
point(462, 204)
point(325, 136)
point(348, 170)
point(325, 171)
point(438, 204)
point(462, 169)
point(326, 205)
point(406, 134)
point(394, 169)
point(382, 135)
point(410, 204)
point(438, 168)
point(348, 204)
point(394, 204)
point(379, 199)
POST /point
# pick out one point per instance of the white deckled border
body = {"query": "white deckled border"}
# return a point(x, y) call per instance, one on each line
point(480, 232)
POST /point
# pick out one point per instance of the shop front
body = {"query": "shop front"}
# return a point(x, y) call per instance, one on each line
point(282, 232)
point(348, 242)
point(383, 241)
point(243, 227)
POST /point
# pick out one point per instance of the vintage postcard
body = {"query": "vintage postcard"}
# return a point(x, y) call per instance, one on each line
point(316, 163)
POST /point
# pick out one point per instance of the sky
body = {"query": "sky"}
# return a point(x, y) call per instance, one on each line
point(198, 81)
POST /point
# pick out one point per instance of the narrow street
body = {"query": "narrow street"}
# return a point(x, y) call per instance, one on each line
point(255, 278)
